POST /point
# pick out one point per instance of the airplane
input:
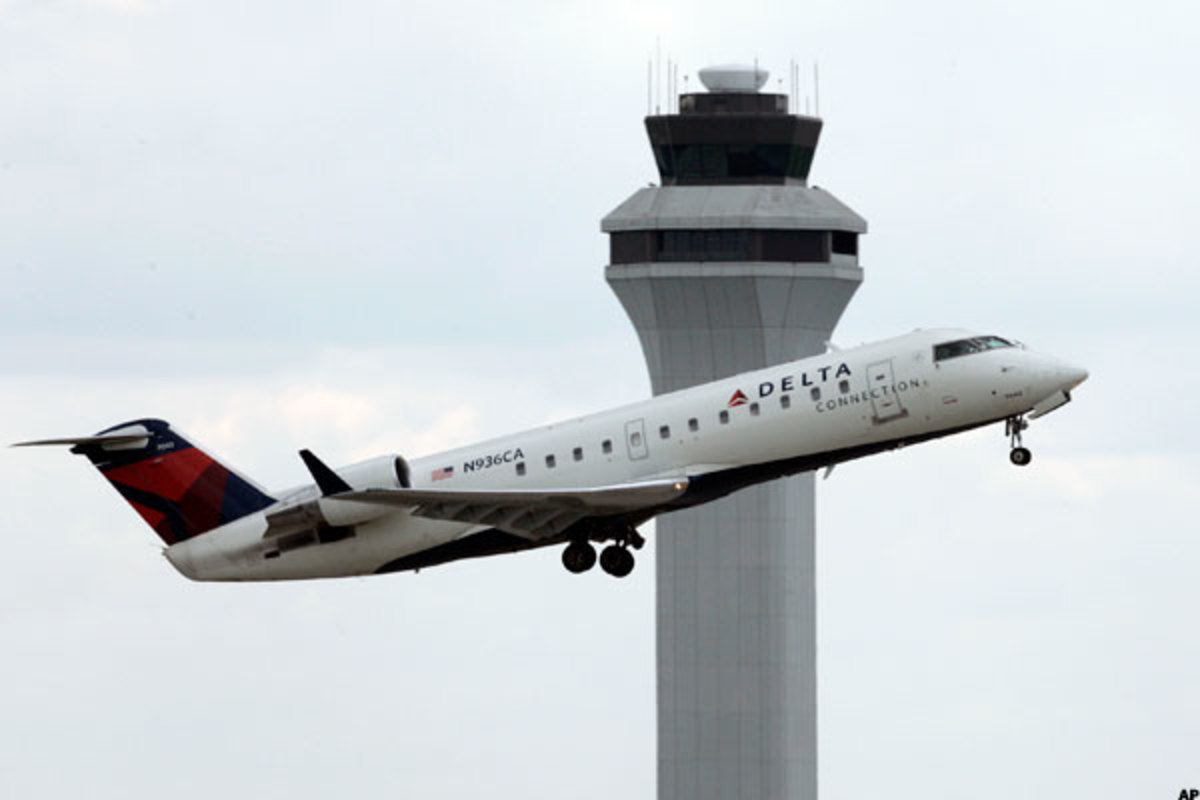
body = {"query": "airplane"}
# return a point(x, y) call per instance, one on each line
point(592, 479)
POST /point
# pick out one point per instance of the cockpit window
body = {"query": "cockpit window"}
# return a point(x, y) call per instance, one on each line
point(964, 347)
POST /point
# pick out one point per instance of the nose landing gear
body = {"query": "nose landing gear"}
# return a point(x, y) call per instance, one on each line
point(1019, 454)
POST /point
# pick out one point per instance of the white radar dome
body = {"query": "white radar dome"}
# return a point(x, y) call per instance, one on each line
point(734, 78)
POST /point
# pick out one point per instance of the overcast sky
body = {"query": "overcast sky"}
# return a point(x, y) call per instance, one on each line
point(374, 227)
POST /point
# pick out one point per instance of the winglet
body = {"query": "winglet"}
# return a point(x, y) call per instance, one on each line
point(328, 481)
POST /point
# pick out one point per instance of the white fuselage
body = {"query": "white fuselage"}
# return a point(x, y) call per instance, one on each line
point(792, 417)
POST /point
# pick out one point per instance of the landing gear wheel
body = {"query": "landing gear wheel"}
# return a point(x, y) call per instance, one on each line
point(1020, 456)
point(579, 557)
point(616, 561)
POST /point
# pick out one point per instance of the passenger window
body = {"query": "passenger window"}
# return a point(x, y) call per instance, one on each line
point(550, 462)
point(635, 439)
point(693, 424)
point(844, 386)
point(785, 401)
point(816, 393)
point(664, 432)
point(754, 409)
point(724, 417)
point(577, 453)
point(606, 446)
point(520, 467)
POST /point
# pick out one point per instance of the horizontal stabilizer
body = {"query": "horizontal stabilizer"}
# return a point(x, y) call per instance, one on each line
point(112, 440)
point(534, 514)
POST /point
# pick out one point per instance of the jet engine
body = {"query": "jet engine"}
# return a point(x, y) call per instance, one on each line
point(326, 518)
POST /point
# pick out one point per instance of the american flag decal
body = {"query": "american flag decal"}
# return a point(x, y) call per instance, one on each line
point(443, 473)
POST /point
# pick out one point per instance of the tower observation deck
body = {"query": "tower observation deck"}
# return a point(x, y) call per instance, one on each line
point(734, 263)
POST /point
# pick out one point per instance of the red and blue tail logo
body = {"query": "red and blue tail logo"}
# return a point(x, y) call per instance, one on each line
point(179, 490)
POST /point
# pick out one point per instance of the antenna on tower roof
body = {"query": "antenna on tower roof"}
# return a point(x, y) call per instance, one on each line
point(649, 86)
point(657, 74)
point(670, 85)
point(795, 102)
point(791, 83)
point(816, 90)
point(795, 86)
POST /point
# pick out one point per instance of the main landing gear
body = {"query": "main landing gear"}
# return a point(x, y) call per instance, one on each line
point(1019, 455)
point(579, 557)
point(616, 559)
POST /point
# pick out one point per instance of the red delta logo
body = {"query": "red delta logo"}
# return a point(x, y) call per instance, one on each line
point(739, 399)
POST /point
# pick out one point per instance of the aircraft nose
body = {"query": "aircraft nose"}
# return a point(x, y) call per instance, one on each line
point(1071, 376)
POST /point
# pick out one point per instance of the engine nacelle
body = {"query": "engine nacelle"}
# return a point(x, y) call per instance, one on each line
point(383, 472)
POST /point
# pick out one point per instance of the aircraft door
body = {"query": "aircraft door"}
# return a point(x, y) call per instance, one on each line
point(635, 440)
point(885, 403)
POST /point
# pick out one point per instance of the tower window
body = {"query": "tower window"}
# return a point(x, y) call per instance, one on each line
point(845, 243)
point(727, 244)
point(766, 162)
point(803, 246)
point(715, 244)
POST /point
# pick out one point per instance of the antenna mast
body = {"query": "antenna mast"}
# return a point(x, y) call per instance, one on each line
point(649, 86)
point(816, 90)
point(657, 74)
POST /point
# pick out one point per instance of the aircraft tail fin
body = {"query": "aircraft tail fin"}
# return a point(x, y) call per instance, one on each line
point(177, 488)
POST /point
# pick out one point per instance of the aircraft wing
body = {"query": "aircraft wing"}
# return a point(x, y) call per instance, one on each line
point(533, 514)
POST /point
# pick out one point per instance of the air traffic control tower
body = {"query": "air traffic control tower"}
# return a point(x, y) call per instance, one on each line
point(735, 263)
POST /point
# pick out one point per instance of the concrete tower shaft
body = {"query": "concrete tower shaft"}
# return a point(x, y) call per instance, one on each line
point(734, 264)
